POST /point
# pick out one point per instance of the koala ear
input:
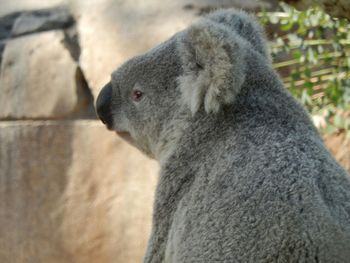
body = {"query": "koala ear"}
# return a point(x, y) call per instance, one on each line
point(213, 66)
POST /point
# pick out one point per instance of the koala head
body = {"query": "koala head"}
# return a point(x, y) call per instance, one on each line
point(153, 97)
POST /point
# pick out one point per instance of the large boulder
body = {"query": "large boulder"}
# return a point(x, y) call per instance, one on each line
point(39, 79)
point(70, 191)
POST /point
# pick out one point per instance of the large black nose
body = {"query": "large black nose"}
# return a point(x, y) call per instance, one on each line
point(103, 105)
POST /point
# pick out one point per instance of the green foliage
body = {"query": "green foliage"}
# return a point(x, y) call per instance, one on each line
point(311, 51)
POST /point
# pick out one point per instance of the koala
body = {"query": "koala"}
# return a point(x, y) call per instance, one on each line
point(245, 175)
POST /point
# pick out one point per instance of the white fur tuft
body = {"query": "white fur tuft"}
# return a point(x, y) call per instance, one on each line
point(212, 59)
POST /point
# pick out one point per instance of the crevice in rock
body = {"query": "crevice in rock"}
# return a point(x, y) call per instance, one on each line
point(71, 42)
point(85, 105)
point(6, 24)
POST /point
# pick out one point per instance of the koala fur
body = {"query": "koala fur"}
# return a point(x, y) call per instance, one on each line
point(245, 176)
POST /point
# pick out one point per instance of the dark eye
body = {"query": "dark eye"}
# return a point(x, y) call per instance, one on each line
point(137, 95)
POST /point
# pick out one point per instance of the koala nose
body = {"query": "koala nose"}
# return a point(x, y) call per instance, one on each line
point(103, 105)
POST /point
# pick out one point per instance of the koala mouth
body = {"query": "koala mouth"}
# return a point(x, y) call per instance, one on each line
point(125, 135)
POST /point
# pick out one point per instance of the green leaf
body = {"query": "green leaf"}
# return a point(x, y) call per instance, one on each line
point(273, 19)
point(305, 98)
point(308, 84)
point(287, 26)
point(329, 129)
point(338, 121)
point(297, 54)
point(307, 72)
point(295, 75)
point(312, 52)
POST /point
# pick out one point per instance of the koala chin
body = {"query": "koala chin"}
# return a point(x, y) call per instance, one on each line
point(245, 176)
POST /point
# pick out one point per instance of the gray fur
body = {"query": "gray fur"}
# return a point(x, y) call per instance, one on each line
point(245, 176)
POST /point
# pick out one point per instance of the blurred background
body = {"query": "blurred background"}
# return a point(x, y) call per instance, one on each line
point(71, 191)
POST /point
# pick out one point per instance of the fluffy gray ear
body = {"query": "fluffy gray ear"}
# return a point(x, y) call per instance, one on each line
point(213, 66)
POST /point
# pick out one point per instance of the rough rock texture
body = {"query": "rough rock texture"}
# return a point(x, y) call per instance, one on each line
point(29, 22)
point(40, 79)
point(41, 20)
point(6, 24)
point(22, 5)
point(66, 198)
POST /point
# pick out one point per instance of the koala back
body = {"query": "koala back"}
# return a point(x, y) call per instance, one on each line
point(250, 180)
point(245, 176)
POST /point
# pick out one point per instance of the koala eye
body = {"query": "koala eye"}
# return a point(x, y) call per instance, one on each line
point(136, 95)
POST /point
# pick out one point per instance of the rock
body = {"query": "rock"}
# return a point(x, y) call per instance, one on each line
point(71, 42)
point(339, 145)
point(70, 191)
point(112, 31)
point(40, 80)
point(29, 22)
point(8, 7)
point(42, 20)
point(6, 23)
